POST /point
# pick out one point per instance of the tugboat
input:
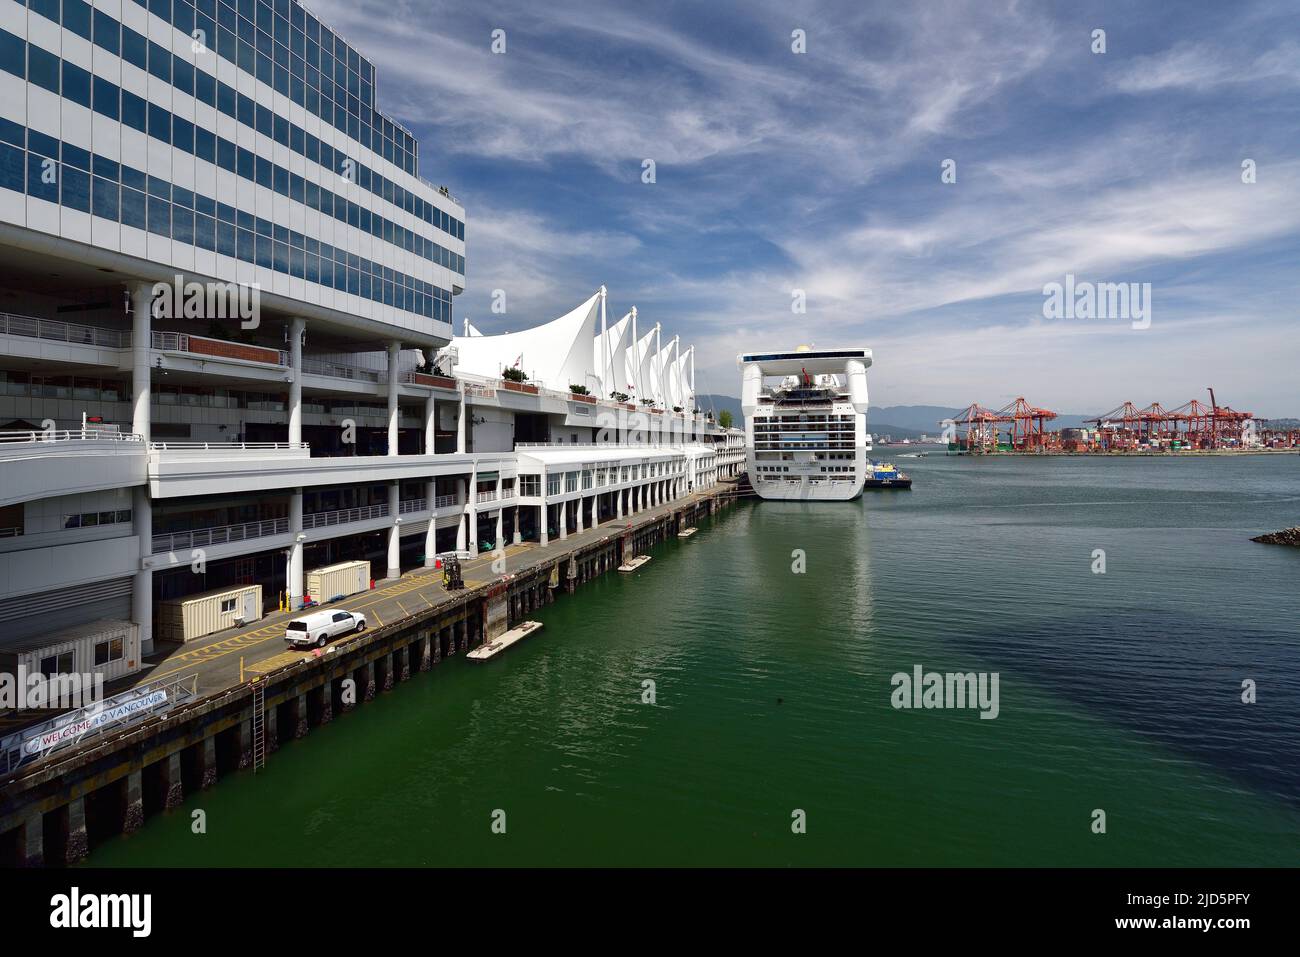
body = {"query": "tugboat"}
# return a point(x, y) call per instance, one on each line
point(884, 475)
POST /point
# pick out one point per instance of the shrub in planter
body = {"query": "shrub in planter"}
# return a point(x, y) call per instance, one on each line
point(514, 375)
point(578, 389)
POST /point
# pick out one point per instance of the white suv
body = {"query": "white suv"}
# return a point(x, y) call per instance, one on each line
point(320, 627)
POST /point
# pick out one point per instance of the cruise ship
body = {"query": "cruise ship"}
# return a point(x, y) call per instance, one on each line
point(806, 434)
point(227, 360)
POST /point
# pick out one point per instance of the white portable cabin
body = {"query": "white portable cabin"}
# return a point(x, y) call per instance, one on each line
point(107, 647)
point(337, 581)
point(193, 616)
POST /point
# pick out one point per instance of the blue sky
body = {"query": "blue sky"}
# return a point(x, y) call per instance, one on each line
point(821, 171)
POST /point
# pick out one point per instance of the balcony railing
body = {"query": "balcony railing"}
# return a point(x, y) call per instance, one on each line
point(413, 505)
point(221, 535)
point(444, 501)
point(71, 435)
point(345, 516)
point(336, 370)
point(60, 331)
point(488, 496)
point(228, 446)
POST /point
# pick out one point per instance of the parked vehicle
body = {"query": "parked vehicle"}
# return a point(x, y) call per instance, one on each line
point(318, 628)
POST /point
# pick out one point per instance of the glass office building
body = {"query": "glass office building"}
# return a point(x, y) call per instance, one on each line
point(237, 140)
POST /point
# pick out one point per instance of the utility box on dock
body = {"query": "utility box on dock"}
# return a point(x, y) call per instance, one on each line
point(338, 581)
point(107, 647)
point(193, 616)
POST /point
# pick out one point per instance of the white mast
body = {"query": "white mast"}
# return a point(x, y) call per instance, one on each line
point(605, 347)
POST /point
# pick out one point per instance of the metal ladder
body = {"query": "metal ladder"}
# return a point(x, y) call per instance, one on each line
point(259, 725)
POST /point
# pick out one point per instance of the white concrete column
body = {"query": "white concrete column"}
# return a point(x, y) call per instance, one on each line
point(462, 500)
point(142, 585)
point(618, 504)
point(595, 510)
point(501, 527)
point(141, 343)
point(394, 530)
point(430, 424)
point(543, 535)
point(564, 520)
point(394, 354)
point(582, 506)
point(519, 536)
point(460, 421)
point(297, 326)
point(431, 534)
point(293, 571)
point(471, 509)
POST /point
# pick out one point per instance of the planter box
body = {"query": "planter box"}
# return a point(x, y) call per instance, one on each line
point(233, 350)
point(590, 400)
point(437, 381)
point(518, 387)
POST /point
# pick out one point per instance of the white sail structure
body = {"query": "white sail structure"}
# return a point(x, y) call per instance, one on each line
point(681, 392)
point(639, 364)
point(555, 355)
point(611, 357)
point(470, 330)
point(662, 365)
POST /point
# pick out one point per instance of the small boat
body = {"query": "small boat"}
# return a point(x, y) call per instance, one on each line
point(885, 475)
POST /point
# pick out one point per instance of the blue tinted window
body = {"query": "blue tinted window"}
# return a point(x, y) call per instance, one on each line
point(13, 54)
point(134, 178)
point(42, 177)
point(76, 84)
point(226, 155)
point(46, 8)
point(133, 208)
point(183, 134)
point(160, 216)
point(183, 225)
point(108, 33)
point(11, 167)
point(160, 62)
point(106, 98)
point(134, 112)
point(205, 88)
point(43, 68)
point(135, 48)
point(106, 168)
point(76, 156)
point(76, 189)
point(226, 239)
point(205, 232)
point(205, 144)
point(160, 123)
point(76, 17)
point(183, 76)
point(106, 198)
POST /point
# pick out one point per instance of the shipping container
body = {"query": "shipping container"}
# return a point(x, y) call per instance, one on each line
point(337, 581)
point(106, 647)
point(193, 616)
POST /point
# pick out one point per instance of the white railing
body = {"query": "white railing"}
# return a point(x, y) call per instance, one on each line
point(60, 331)
point(221, 535)
point(345, 516)
point(13, 532)
point(69, 435)
point(170, 341)
point(413, 505)
point(488, 496)
point(336, 370)
point(228, 446)
point(444, 501)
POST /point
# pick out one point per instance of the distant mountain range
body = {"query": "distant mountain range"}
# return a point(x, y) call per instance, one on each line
point(910, 421)
point(900, 421)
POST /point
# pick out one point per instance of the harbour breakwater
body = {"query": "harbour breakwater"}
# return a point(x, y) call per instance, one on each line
point(54, 812)
point(1288, 536)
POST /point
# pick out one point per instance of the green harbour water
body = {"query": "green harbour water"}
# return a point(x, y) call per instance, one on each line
point(1118, 691)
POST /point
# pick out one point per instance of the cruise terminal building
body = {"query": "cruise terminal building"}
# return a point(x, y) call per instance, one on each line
point(226, 339)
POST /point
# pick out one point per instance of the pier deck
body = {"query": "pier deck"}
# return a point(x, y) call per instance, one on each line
point(497, 645)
